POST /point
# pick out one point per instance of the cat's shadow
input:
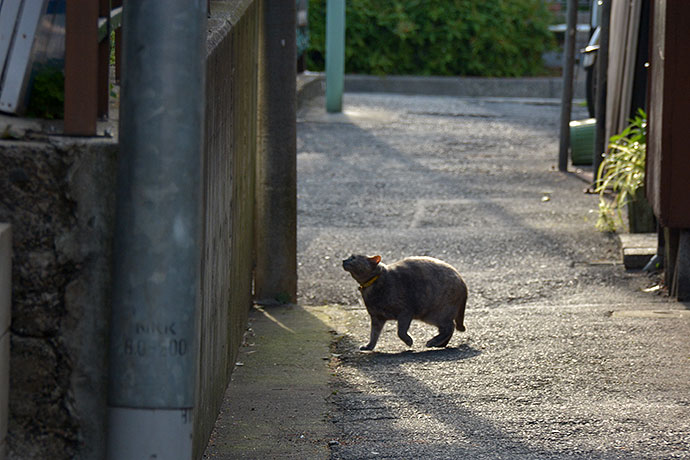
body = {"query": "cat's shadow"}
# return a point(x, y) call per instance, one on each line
point(463, 351)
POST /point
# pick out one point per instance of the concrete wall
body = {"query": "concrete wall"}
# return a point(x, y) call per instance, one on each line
point(5, 317)
point(228, 198)
point(540, 87)
point(59, 195)
point(59, 198)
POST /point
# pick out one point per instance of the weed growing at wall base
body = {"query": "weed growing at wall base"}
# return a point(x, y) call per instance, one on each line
point(622, 171)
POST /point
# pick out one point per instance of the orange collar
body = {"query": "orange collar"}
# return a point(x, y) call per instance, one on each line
point(369, 283)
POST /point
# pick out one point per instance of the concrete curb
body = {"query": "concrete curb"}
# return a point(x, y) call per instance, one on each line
point(310, 83)
point(309, 86)
point(275, 405)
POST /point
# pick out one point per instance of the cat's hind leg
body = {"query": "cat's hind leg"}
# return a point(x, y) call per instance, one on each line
point(445, 332)
point(460, 315)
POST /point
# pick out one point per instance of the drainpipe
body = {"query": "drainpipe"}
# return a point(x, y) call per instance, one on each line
point(600, 143)
point(153, 341)
point(335, 55)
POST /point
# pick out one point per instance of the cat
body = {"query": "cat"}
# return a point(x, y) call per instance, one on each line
point(421, 288)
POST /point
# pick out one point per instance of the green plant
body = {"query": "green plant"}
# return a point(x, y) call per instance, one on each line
point(622, 172)
point(112, 47)
point(437, 37)
point(47, 96)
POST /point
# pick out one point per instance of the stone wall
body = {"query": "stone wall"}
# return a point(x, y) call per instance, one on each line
point(5, 306)
point(59, 198)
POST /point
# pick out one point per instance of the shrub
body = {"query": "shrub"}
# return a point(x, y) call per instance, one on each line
point(497, 38)
point(47, 96)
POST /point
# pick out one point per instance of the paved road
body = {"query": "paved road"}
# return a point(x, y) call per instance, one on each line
point(564, 356)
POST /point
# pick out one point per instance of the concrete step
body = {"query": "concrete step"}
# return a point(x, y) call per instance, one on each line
point(637, 249)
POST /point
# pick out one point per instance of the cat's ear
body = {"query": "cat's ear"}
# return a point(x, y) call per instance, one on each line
point(375, 259)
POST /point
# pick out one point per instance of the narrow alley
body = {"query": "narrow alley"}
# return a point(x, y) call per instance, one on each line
point(565, 356)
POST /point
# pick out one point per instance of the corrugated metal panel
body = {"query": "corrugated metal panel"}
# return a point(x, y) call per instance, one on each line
point(18, 63)
point(8, 20)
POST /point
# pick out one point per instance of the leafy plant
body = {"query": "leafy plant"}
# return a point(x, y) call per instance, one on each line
point(437, 37)
point(47, 97)
point(622, 171)
point(112, 47)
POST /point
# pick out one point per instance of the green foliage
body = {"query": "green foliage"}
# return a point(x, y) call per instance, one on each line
point(112, 47)
point(622, 171)
point(499, 38)
point(47, 97)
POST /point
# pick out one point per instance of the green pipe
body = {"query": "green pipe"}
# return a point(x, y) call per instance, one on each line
point(335, 54)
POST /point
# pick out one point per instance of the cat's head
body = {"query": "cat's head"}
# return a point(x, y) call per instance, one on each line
point(362, 268)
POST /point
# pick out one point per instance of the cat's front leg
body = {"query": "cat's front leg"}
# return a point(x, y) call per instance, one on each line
point(376, 326)
point(404, 321)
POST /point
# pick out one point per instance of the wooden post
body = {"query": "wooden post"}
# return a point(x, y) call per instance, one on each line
point(276, 168)
point(81, 67)
point(118, 45)
point(568, 73)
point(104, 63)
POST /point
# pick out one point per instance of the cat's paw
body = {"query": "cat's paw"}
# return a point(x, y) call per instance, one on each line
point(367, 347)
point(407, 340)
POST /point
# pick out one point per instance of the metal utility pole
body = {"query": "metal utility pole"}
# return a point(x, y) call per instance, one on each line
point(335, 54)
point(276, 177)
point(156, 248)
point(600, 97)
point(568, 74)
